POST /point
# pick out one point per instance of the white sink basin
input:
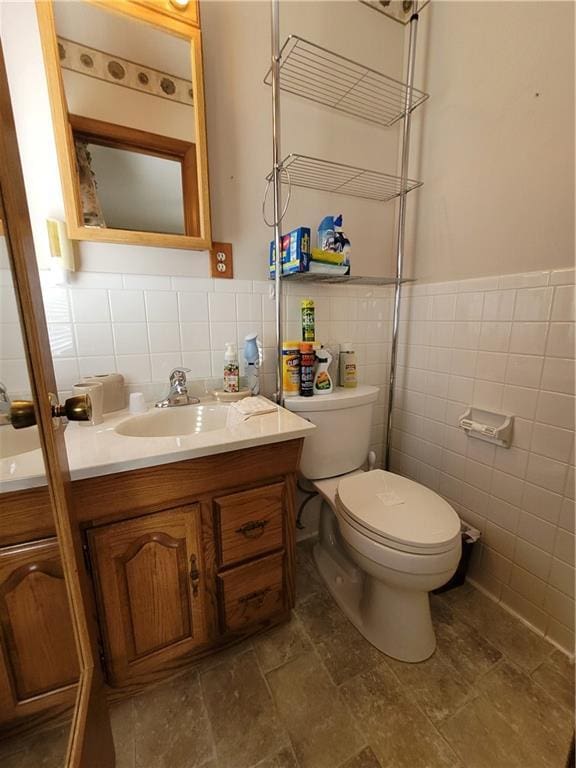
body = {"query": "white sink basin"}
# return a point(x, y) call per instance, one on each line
point(16, 441)
point(175, 422)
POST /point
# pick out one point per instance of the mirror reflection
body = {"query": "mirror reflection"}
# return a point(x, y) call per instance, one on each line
point(130, 101)
point(35, 616)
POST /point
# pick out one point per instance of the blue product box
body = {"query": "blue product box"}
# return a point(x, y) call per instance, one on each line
point(295, 252)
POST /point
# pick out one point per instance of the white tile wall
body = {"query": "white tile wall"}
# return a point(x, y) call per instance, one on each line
point(143, 326)
point(499, 342)
point(506, 344)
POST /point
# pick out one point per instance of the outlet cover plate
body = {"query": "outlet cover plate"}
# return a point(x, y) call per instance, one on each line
point(221, 262)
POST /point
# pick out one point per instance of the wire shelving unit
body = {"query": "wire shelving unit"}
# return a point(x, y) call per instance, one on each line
point(317, 74)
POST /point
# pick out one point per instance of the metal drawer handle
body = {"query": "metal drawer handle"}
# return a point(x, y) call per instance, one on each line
point(254, 529)
point(194, 575)
point(254, 599)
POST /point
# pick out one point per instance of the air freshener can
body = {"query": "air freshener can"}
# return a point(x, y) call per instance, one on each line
point(307, 359)
point(307, 308)
point(291, 368)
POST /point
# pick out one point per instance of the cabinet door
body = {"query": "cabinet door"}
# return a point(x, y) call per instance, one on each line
point(151, 590)
point(38, 659)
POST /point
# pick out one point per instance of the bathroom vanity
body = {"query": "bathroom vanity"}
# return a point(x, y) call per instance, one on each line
point(189, 542)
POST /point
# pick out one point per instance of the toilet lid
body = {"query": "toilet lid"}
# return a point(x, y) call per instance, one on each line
point(399, 510)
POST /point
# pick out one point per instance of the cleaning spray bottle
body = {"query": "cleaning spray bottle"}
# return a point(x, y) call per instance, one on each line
point(322, 380)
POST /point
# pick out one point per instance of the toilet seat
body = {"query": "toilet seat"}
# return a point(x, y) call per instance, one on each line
point(396, 512)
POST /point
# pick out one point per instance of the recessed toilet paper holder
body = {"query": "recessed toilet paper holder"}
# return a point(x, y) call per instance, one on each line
point(491, 426)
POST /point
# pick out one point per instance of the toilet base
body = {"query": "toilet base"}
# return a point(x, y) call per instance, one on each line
point(396, 621)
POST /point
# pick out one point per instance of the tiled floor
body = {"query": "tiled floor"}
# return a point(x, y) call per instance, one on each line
point(315, 694)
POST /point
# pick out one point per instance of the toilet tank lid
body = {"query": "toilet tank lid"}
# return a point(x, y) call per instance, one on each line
point(339, 398)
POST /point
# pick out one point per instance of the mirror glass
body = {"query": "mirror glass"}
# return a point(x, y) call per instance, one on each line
point(35, 616)
point(130, 104)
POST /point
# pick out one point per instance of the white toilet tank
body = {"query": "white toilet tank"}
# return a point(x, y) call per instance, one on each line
point(341, 442)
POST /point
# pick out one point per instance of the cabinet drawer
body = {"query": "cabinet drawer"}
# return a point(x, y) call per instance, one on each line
point(252, 593)
point(249, 523)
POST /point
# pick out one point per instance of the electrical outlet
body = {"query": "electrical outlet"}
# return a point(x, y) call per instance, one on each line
point(221, 260)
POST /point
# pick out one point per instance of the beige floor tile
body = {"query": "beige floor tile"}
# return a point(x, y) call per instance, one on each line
point(483, 738)
point(284, 759)
point(364, 759)
point(454, 596)
point(435, 684)
point(321, 729)
point(46, 749)
point(122, 719)
point(171, 726)
point(541, 723)
point(228, 652)
point(308, 580)
point(278, 646)
point(470, 654)
point(245, 726)
point(556, 675)
point(398, 731)
point(524, 647)
point(344, 651)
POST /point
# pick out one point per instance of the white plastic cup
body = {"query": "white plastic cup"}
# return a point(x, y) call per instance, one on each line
point(96, 393)
point(136, 403)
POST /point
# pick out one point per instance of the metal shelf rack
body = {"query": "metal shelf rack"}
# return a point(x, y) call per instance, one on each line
point(319, 277)
point(325, 77)
point(321, 76)
point(315, 173)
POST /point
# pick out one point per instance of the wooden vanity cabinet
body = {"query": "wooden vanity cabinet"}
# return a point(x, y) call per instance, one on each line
point(185, 558)
point(38, 658)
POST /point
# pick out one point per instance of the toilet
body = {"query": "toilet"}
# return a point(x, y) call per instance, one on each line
point(385, 542)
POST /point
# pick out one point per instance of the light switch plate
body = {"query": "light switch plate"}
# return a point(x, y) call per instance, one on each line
point(221, 261)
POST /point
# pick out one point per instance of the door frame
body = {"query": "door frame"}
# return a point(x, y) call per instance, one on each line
point(90, 744)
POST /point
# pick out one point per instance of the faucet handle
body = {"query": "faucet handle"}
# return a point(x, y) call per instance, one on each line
point(178, 375)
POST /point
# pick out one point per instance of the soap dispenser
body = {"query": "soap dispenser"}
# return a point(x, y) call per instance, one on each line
point(252, 363)
point(322, 379)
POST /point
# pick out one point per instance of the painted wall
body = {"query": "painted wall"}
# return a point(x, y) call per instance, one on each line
point(495, 142)
point(236, 56)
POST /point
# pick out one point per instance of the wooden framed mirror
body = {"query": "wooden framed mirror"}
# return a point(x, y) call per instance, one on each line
point(127, 97)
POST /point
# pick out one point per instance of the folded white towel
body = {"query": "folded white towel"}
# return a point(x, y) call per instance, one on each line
point(254, 406)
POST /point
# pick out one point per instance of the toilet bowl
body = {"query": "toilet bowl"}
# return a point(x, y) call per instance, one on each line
point(406, 541)
point(385, 542)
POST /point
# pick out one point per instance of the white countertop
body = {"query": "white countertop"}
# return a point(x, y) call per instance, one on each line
point(100, 450)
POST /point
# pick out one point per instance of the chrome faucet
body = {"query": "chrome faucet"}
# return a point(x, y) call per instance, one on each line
point(178, 394)
point(4, 405)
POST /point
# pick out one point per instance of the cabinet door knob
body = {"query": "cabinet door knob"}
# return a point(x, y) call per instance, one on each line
point(194, 575)
point(76, 408)
point(254, 529)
